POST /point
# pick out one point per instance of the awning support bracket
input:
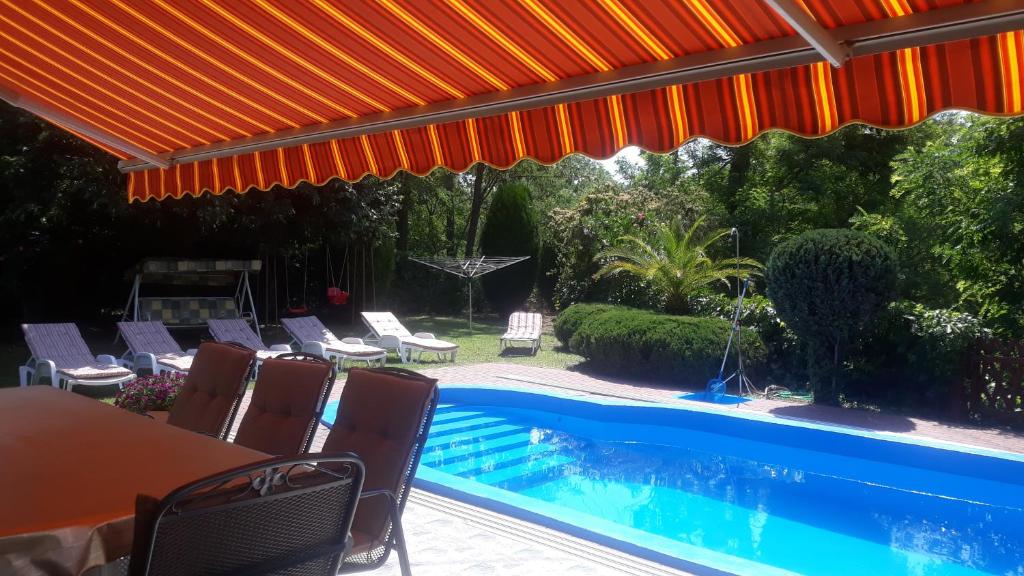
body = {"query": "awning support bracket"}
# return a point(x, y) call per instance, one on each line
point(815, 34)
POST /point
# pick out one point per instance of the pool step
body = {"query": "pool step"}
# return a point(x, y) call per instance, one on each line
point(550, 466)
point(465, 425)
point(454, 415)
point(497, 459)
point(458, 438)
point(435, 454)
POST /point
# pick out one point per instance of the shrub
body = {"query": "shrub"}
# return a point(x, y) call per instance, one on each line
point(569, 320)
point(510, 230)
point(685, 349)
point(826, 286)
point(784, 364)
point(148, 393)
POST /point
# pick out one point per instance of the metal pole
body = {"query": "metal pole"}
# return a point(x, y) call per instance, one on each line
point(470, 280)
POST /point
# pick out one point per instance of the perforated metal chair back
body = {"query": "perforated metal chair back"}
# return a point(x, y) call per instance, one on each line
point(287, 403)
point(287, 516)
point(384, 417)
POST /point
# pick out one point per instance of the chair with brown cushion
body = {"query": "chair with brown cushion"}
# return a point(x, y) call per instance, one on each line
point(208, 401)
point(383, 417)
point(279, 516)
point(287, 402)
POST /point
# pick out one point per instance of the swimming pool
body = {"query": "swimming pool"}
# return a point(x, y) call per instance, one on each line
point(745, 494)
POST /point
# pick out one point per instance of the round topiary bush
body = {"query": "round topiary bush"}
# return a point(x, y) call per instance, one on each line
point(826, 286)
point(569, 320)
point(510, 230)
point(684, 349)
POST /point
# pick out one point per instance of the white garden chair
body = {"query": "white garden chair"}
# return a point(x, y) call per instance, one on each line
point(151, 347)
point(523, 327)
point(60, 353)
point(314, 338)
point(387, 332)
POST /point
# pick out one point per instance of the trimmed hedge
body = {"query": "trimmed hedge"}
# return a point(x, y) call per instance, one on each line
point(684, 349)
point(569, 320)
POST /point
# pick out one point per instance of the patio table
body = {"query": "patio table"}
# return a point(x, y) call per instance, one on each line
point(70, 468)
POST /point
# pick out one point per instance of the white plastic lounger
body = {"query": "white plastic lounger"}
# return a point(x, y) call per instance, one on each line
point(238, 330)
point(523, 327)
point(151, 347)
point(60, 354)
point(314, 338)
point(389, 333)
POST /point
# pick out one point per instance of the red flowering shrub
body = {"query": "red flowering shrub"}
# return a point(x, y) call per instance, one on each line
point(148, 393)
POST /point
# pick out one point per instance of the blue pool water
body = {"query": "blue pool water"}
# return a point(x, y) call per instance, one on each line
point(741, 494)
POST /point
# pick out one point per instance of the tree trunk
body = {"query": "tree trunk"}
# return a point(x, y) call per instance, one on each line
point(739, 169)
point(449, 225)
point(402, 225)
point(475, 208)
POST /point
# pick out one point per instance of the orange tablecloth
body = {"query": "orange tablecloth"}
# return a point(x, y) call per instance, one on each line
point(70, 468)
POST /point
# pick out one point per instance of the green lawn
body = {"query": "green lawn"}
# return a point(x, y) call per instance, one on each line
point(475, 347)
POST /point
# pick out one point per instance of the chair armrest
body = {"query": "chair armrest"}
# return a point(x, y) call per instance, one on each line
point(106, 359)
point(143, 361)
point(317, 348)
point(425, 335)
point(45, 369)
point(389, 341)
point(281, 347)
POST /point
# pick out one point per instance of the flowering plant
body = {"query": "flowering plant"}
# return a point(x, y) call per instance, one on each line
point(147, 393)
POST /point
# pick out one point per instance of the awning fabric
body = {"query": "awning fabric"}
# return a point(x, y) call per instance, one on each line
point(166, 77)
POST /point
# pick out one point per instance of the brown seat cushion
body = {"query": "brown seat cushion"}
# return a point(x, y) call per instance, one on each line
point(285, 406)
point(378, 419)
point(212, 388)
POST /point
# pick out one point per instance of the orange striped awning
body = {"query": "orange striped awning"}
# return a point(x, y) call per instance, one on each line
point(203, 95)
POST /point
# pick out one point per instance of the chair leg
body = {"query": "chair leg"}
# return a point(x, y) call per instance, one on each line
point(24, 375)
point(403, 552)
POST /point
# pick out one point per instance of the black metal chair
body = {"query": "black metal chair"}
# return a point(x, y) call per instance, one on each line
point(279, 516)
point(384, 417)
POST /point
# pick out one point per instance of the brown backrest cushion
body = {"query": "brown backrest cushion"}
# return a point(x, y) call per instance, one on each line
point(379, 417)
point(285, 406)
point(212, 388)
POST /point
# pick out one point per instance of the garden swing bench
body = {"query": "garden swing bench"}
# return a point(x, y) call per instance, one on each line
point(193, 311)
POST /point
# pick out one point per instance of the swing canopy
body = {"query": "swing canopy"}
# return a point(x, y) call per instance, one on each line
point(195, 96)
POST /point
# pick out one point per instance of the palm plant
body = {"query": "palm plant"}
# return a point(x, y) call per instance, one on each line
point(675, 263)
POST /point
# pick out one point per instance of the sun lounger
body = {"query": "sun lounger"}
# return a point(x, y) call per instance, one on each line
point(388, 332)
point(151, 347)
point(523, 327)
point(238, 330)
point(314, 338)
point(60, 353)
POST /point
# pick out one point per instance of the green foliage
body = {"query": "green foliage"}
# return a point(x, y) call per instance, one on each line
point(570, 319)
point(826, 286)
point(675, 263)
point(914, 356)
point(510, 230)
point(686, 350)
